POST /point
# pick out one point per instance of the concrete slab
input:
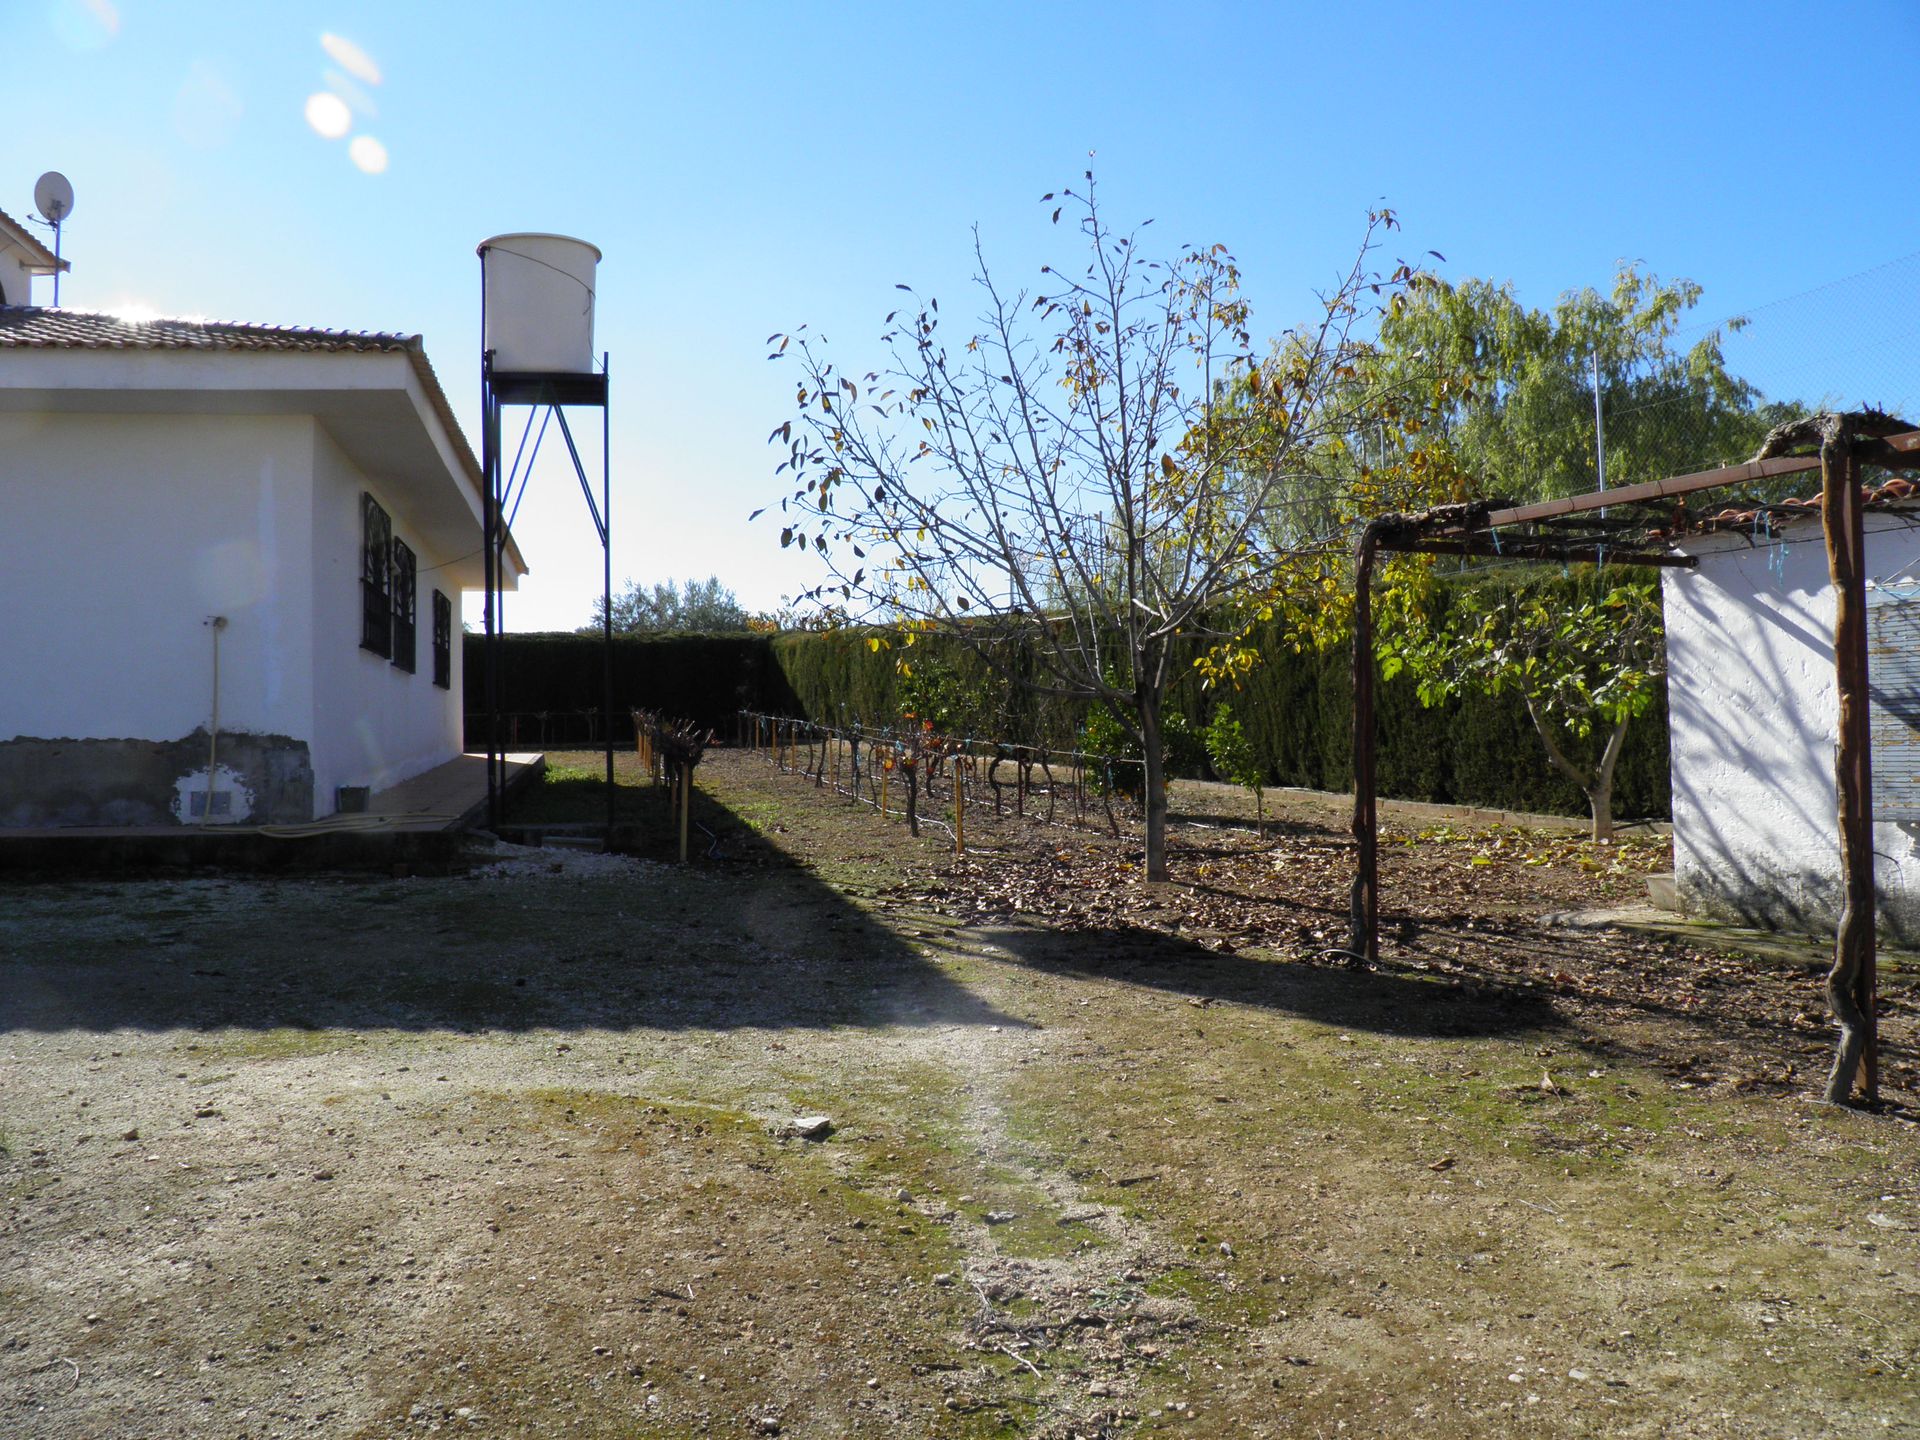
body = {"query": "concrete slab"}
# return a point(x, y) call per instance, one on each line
point(1809, 953)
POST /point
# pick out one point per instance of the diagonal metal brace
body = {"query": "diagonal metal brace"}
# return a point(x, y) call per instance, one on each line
point(593, 507)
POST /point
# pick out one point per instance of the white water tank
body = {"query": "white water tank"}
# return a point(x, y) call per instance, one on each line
point(538, 291)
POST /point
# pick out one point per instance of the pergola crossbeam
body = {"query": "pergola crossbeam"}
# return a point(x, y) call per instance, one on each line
point(1589, 552)
point(1906, 443)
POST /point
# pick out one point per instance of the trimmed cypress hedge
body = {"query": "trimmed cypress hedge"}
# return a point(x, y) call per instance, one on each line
point(1296, 707)
point(551, 684)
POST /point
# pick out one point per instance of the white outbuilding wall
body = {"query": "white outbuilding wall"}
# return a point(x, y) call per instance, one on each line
point(1754, 722)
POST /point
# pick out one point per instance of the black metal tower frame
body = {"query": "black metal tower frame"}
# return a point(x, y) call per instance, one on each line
point(557, 391)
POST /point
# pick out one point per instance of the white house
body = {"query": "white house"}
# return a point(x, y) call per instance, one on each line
point(1754, 719)
point(235, 562)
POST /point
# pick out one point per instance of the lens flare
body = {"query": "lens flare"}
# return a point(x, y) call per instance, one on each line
point(328, 114)
point(351, 58)
point(85, 24)
point(369, 154)
point(354, 95)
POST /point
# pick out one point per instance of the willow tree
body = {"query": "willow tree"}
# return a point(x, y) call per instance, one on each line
point(1076, 486)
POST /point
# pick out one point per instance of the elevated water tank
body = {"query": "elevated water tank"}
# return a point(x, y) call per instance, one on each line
point(539, 292)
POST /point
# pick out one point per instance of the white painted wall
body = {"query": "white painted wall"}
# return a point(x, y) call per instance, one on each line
point(16, 281)
point(1753, 721)
point(374, 724)
point(143, 491)
point(127, 532)
point(124, 533)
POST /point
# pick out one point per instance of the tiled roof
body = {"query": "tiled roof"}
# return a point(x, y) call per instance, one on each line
point(31, 327)
point(34, 327)
point(1894, 492)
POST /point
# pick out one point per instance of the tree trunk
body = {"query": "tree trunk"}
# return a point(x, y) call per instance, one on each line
point(913, 797)
point(1597, 786)
point(1363, 941)
point(1155, 799)
point(1600, 793)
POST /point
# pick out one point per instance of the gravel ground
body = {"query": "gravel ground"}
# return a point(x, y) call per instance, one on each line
point(511, 1152)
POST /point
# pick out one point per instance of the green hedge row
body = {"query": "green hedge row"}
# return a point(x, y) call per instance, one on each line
point(1479, 750)
point(1296, 707)
point(550, 684)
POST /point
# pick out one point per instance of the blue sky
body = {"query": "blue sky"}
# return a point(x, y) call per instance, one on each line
point(748, 167)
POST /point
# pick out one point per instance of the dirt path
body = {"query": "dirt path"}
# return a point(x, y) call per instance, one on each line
point(505, 1153)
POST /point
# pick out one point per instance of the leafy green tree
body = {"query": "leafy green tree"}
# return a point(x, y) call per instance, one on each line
point(1585, 672)
point(1492, 399)
point(1235, 760)
point(1066, 480)
point(695, 605)
point(1511, 389)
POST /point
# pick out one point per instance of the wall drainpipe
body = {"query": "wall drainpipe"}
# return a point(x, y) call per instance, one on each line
point(219, 623)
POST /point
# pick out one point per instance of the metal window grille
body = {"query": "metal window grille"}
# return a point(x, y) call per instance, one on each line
point(405, 650)
point(442, 641)
point(376, 579)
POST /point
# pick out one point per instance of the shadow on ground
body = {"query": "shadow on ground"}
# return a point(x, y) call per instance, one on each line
point(547, 941)
point(1381, 1001)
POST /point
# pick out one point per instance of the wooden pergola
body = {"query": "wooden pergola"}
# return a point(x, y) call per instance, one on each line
point(1615, 526)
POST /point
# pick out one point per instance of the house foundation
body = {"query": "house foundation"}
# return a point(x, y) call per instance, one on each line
point(63, 783)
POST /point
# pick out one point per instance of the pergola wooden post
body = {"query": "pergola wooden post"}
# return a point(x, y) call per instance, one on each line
point(1850, 983)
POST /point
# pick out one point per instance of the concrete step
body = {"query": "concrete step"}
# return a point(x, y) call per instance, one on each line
point(595, 843)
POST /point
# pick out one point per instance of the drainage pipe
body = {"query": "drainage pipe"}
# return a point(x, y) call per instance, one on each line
point(219, 623)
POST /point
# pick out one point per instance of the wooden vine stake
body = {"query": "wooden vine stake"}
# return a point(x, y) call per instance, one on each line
point(959, 805)
point(686, 806)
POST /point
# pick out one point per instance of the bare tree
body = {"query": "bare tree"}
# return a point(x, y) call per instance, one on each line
point(1084, 477)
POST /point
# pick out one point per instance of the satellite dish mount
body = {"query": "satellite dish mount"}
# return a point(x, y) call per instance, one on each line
point(53, 198)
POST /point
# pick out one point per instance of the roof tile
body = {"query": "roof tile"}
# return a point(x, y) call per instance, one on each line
point(37, 328)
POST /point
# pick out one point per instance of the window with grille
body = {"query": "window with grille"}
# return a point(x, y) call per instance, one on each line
point(404, 648)
point(442, 641)
point(376, 577)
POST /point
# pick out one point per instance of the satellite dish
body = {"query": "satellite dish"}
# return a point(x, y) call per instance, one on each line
point(54, 196)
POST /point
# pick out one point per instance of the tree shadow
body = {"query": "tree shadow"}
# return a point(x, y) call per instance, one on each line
point(545, 940)
point(1386, 1001)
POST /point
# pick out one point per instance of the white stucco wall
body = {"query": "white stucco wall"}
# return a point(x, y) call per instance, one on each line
point(124, 533)
point(16, 281)
point(374, 724)
point(144, 491)
point(1753, 721)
